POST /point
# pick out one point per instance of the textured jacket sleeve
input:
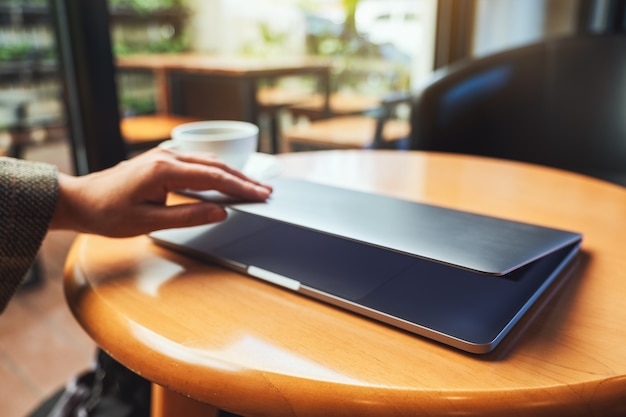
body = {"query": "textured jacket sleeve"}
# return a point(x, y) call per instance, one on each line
point(28, 198)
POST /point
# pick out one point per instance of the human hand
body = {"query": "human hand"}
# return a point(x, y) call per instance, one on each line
point(129, 198)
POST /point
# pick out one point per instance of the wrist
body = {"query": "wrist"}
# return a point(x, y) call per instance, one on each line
point(66, 216)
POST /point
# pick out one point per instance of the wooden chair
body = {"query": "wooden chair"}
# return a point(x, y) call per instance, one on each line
point(560, 103)
point(275, 98)
point(344, 100)
point(340, 104)
point(272, 100)
point(383, 130)
point(306, 106)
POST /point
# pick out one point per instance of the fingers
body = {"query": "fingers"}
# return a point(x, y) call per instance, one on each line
point(184, 215)
point(232, 185)
point(203, 172)
point(149, 218)
point(209, 159)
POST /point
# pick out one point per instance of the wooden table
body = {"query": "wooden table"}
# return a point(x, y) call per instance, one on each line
point(254, 349)
point(231, 83)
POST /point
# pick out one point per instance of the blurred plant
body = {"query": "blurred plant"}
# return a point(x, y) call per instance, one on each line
point(349, 26)
point(15, 51)
point(172, 45)
point(25, 3)
point(131, 105)
point(358, 64)
point(152, 37)
point(269, 36)
point(270, 42)
point(145, 6)
point(330, 39)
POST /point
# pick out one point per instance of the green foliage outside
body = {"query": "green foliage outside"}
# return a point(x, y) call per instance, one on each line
point(169, 38)
point(146, 6)
point(358, 64)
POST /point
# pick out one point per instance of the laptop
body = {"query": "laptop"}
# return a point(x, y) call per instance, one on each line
point(458, 278)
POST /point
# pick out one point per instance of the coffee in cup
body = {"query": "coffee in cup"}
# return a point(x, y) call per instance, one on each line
point(233, 142)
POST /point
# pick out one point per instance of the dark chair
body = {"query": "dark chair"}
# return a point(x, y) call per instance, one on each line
point(561, 103)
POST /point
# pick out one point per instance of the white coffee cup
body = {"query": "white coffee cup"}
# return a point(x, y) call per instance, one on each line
point(233, 142)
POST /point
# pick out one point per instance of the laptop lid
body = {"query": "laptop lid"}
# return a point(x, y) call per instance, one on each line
point(459, 278)
point(471, 241)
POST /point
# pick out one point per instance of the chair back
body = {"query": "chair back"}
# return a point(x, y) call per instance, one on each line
point(561, 103)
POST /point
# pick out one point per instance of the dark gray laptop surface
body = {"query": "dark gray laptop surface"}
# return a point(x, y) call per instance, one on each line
point(459, 278)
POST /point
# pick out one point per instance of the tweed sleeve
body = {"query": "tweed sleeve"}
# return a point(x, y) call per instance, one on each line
point(28, 198)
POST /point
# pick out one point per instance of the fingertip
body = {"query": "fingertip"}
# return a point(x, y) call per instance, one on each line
point(262, 192)
point(215, 213)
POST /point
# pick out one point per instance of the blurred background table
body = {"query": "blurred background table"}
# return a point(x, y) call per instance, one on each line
point(220, 87)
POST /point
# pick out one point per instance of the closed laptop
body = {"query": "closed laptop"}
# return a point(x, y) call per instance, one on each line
point(458, 278)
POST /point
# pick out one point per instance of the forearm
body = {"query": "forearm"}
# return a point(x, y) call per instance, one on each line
point(125, 200)
point(28, 192)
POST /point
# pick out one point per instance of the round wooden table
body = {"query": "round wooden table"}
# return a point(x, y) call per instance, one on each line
point(254, 349)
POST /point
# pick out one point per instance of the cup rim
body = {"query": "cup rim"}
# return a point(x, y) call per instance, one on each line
point(246, 129)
